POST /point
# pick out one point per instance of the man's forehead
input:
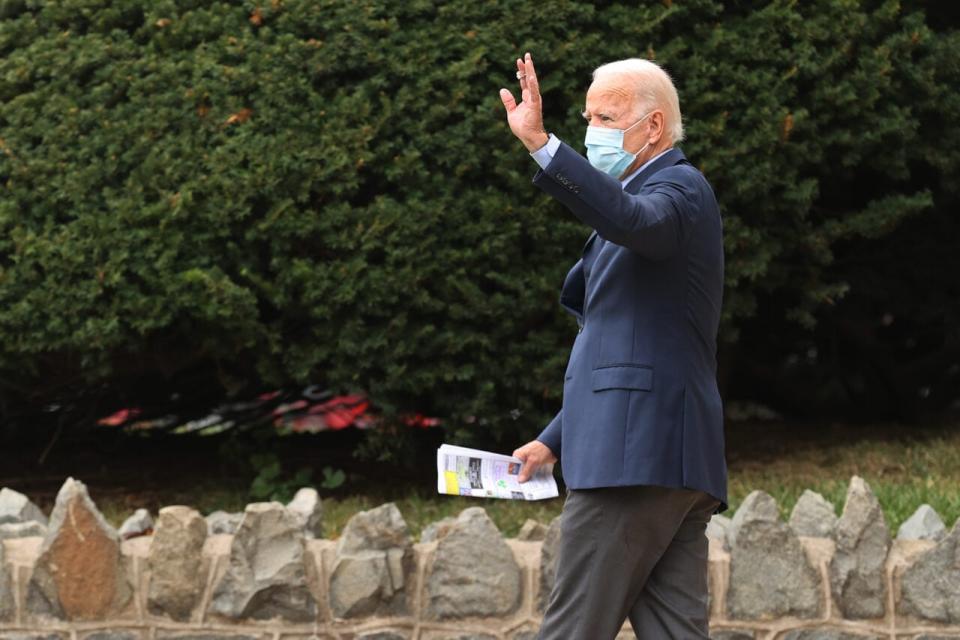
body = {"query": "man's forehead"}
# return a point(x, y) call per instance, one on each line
point(609, 90)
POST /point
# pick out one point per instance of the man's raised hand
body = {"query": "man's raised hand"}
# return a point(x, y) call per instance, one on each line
point(526, 119)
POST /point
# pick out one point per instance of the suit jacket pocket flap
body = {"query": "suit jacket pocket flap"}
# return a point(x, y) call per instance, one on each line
point(623, 377)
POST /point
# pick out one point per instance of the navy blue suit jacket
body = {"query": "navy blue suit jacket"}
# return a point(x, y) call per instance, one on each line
point(640, 398)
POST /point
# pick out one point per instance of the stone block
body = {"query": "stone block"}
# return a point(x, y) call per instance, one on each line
point(113, 634)
point(220, 522)
point(374, 562)
point(7, 601)
point(758, 506)
point(532, 531)
point(463, 634)
point(924, 524)
point(857, 570)
point(28, 529)
point(178, 569)
point(307, 507)
point(825, 634)
point(378, 529)
point(80, 574)
point(473, 572)
point(213, 635)
point(436, 530)
point(813, 516)
point(16, 507)
point(930, 587)
point(361, 583)
point(384, 635)
point(717, 528)
point(732, 634)
point(138, 524)
point(265, 576)
point(770, 575)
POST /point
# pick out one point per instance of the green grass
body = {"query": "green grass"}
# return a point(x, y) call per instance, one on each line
point(419, 510)
point(904, 471)
point(204, 497)
point(904, 467)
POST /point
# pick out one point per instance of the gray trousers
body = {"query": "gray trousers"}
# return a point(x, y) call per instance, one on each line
point(637, 552)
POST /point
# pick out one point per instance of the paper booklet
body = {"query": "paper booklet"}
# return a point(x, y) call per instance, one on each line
point(481, 474)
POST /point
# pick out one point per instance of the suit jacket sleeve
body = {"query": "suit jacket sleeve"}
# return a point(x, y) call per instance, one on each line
point(550, 435)
point(654, 223)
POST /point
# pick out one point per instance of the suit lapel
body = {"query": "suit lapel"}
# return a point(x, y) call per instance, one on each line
point(574, 290)
point(668, 159)
point(587, 243)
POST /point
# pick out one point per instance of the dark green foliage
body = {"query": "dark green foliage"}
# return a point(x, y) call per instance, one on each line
point(272, 483)
point(305, 191)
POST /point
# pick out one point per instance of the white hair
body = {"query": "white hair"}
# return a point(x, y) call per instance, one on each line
point(652, 89)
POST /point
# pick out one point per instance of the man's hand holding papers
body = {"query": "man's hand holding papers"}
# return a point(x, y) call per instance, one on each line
point(481, 474)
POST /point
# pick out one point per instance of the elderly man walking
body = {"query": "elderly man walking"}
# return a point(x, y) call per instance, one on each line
point(640, 433)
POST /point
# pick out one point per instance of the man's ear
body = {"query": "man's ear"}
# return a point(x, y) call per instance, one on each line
point(657, 124)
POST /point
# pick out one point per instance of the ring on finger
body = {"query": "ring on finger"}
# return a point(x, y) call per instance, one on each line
point(521, 75)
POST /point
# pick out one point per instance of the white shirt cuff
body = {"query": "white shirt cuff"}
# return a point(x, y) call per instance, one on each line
point(545, 154)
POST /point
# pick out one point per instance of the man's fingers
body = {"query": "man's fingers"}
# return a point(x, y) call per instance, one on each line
point(522, 74)
point(526, 471)
point(524, 455)
point(529, 87)
point(531, 78)
point(508, 101)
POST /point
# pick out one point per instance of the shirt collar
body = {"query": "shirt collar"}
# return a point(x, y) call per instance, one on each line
point(630, 177)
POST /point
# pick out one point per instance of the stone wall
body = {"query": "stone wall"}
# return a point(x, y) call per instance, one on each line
point(266, 574)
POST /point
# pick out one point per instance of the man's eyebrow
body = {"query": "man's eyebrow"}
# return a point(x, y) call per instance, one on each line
point(586, 114)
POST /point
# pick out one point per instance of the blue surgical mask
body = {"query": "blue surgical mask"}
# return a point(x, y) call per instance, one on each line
point(605, 149)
